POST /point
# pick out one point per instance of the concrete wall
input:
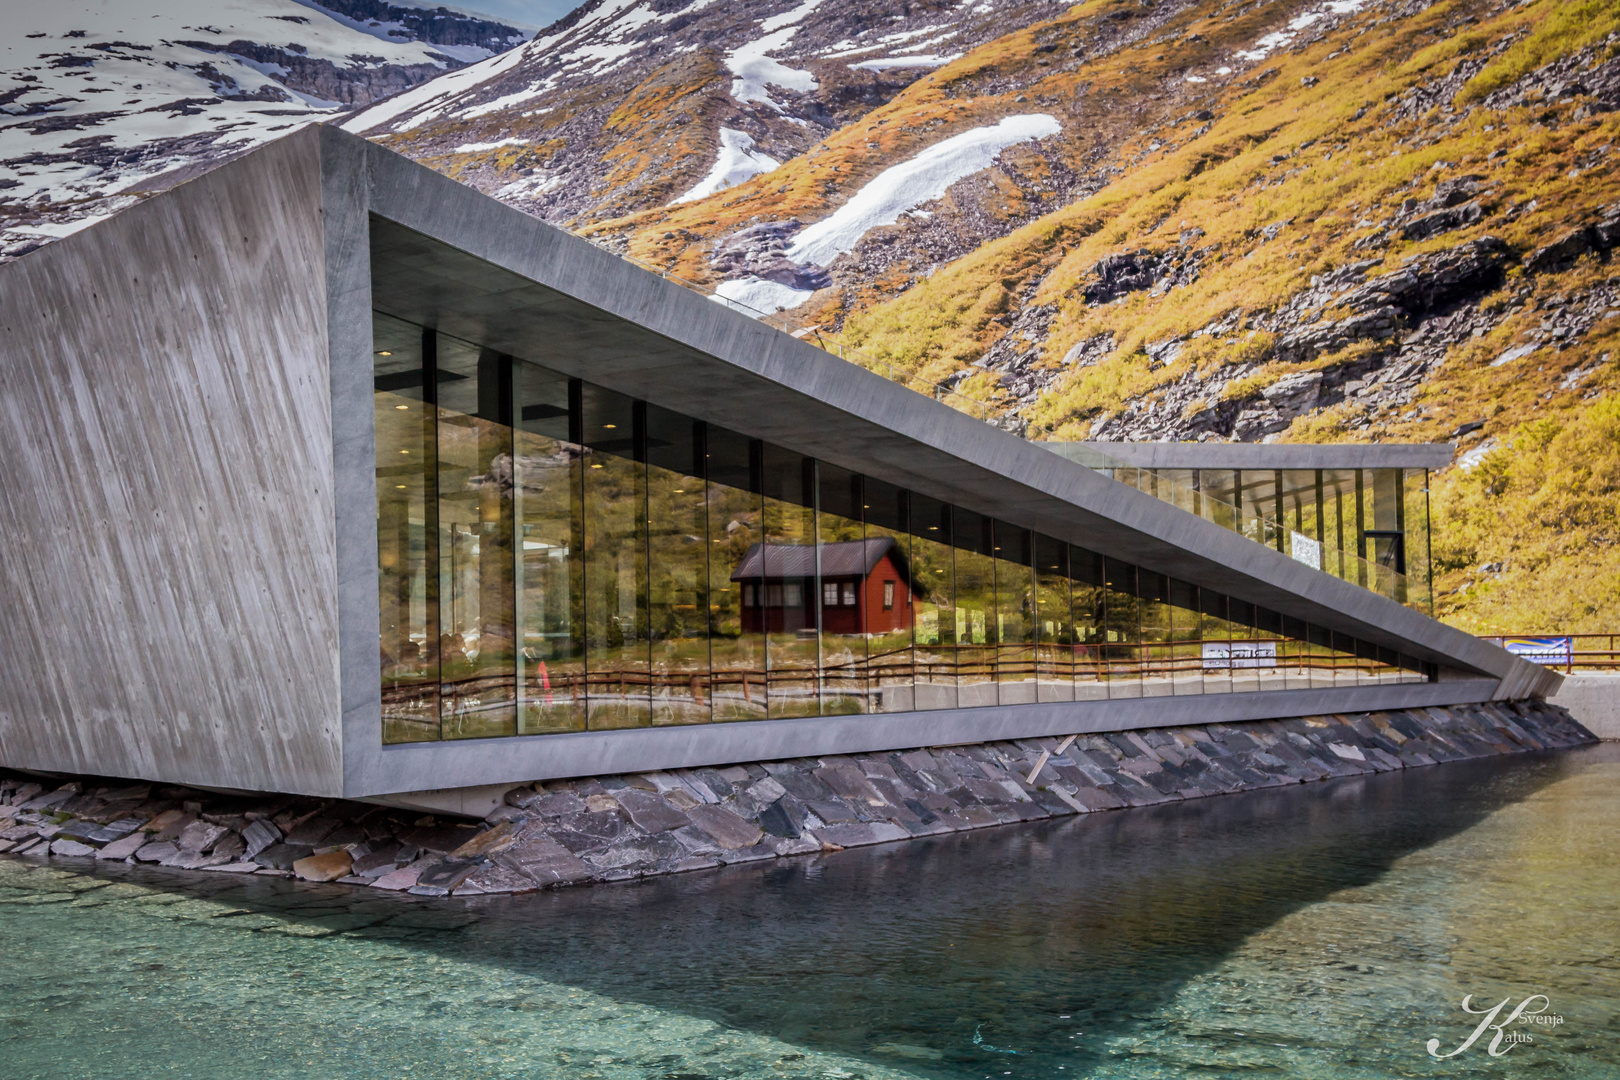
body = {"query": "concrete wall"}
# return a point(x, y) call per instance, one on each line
point(1594, 700)
point(166, 462)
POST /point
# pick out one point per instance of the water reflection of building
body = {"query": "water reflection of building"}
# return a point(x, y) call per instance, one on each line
point(392, 488)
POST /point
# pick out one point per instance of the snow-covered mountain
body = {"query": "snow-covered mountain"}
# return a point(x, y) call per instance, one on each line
point(100, 100)
point(630, 104)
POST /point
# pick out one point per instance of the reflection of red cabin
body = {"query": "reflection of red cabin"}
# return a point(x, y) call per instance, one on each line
point(865, 587)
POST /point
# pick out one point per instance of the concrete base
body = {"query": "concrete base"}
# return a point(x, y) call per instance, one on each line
point(1594, 700)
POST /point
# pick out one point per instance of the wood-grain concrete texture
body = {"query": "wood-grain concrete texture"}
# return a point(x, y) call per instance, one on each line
point(189, 513)
point(167, 586)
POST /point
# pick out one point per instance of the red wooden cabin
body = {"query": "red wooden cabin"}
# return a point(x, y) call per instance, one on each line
point(865, 587)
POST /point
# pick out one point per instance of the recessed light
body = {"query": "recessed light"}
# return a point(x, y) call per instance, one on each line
point(404, 451)
point(402, 407)
point(596, 465)
point(678, 491)
point(385, 352)
point(610, 427)
point(401, 487)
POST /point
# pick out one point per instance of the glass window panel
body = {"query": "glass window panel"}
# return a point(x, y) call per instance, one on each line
point(1297, 671)
point(477, 617)
point(933, 561)
point(1186, 641)
point(1157, 634)
point(1090, 629)
point(550, 557)
point(1015, 614)
point(1054, 622)
point(975, 609)
point(677, 569)
point(792, 653)
point(1215, 642)
point(1252, 657)
point(615, 534)
point(859, 567)
point(1122, 630)
point(1419, 569)
point(406, 534)
point(1270, 655)
point(736, 603)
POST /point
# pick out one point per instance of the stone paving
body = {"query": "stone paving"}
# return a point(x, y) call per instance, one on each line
point(615, 828)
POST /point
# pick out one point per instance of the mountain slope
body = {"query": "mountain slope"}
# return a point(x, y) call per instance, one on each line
point(101, 101)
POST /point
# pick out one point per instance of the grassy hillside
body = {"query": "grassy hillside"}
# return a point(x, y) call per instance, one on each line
point(1328, 160)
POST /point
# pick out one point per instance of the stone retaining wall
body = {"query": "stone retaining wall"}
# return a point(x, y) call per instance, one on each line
point(615, 828)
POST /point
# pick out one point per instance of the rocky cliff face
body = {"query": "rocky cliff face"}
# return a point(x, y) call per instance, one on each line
point(97, 106)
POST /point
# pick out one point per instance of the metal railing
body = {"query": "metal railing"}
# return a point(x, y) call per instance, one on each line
point(1563, 652)
point(1344, 565)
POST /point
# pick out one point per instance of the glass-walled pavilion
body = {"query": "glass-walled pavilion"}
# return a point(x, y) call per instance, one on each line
point(557, 557)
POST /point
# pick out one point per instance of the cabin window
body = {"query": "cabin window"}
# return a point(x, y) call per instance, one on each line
point(748, 596)
point(829, 594)
point(888, 596)
point(791, 595)
point(773, 596)
point(849, 594)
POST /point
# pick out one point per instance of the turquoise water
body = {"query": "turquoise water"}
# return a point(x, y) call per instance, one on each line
point(1329, 930)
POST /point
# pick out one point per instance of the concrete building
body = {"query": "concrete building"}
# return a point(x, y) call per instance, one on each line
point(326, 474)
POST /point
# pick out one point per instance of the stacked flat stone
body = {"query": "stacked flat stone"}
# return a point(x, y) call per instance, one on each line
point(615, 828)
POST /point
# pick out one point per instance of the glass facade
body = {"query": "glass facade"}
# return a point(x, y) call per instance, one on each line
point(553, 556)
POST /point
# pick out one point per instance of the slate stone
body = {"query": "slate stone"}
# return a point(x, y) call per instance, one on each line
point(116, 830)
point(696, 841)
point(833, 811)
point(858, 835)
point(78, 829)
point(555, 804)
point(200, 836)
point(343, 836)
point(328, 866)
point(19, 833)
point(774, 819)
point(123, 848)
point(282, 856)
point(234, 868)
point(729, 831)
point(259, 835)
point(641, 855)
point(442, 877)
point(545, 861)
point(580, 833)
point(650, 813)
point(495, 878)
point(230, 845)
point(165, 820)
point(487, 841)
point(401, 879)
point(71, 848)
point(155, 852)
point(439, 839)
point(194, 860)
point(377, 863)
point(312, 831)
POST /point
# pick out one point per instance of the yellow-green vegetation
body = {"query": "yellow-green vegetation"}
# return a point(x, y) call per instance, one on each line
point(1527, 538)
point(1327, 164)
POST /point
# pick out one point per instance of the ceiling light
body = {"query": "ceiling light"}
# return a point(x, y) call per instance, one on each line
point(596, 465)
point(402, 407)
point(610, 427)
point(404, 451)
point(401, 487)
point(678, 491)
point(385, 352)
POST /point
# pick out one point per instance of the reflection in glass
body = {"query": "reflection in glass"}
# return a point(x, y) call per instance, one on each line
point(407, 587)
point(550, 572)
point(736, 620)
point(933, 561)
point(677, 568)
point(1054, 622)
point(477, 623)
point(555, 557)
point(975, 609)
point(615, 528)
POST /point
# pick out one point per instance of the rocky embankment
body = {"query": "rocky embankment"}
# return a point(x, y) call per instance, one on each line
point(616, 828)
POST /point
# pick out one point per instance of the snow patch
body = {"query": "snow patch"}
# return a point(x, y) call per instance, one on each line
point(885, 63)
point(755, 70)
point(435, 91)
point(756, 296)
point(911, 183)
point(480, 147)
point(737, 163)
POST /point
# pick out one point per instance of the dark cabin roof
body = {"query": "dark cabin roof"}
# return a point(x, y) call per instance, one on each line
point(845, 558)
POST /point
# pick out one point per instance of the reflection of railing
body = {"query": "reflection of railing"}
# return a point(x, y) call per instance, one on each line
point(1343, 565)
point(868, 678)
point(1563, 652)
